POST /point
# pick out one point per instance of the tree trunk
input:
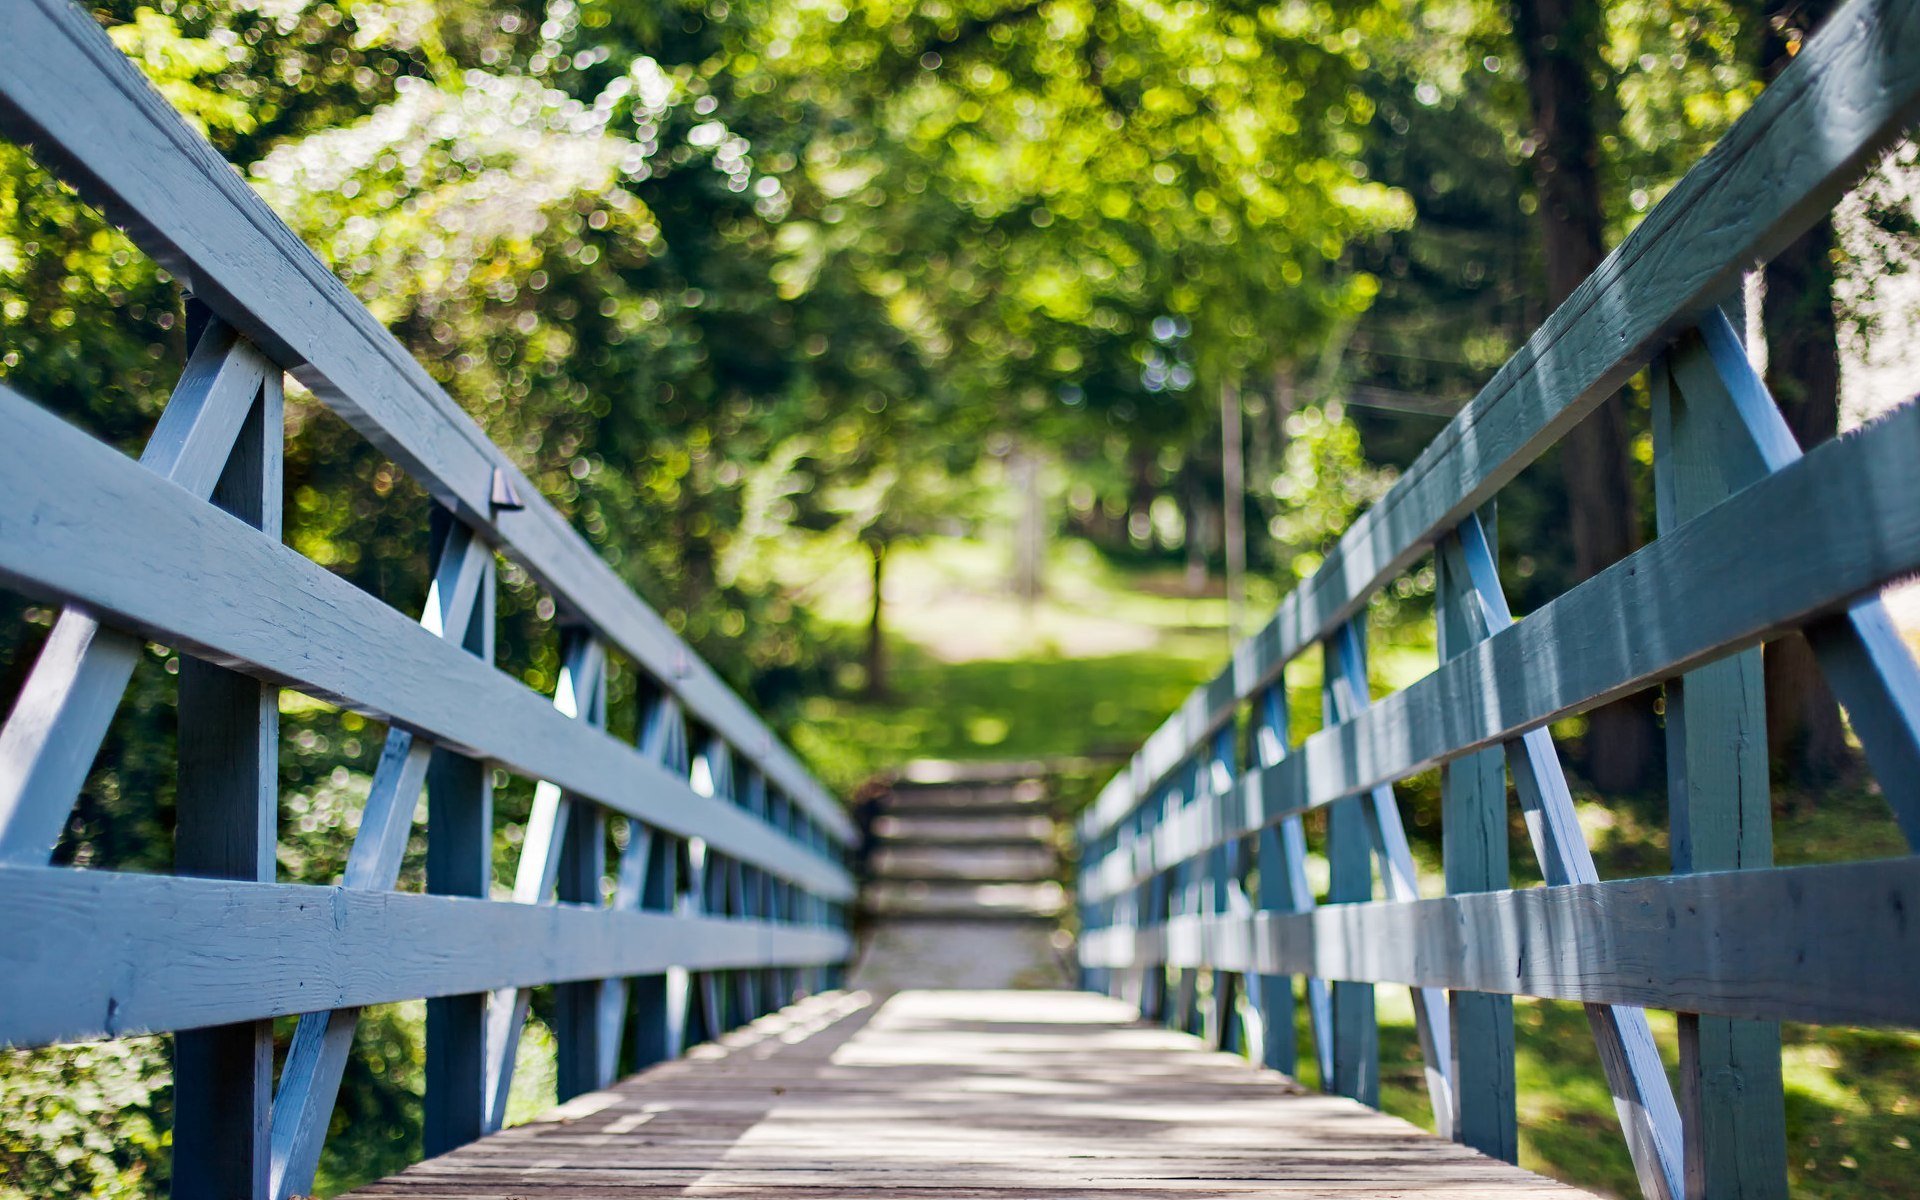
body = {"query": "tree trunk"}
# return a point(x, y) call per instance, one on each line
point(1030, 528)
point(876, 633)
point(1233, 508)
point(1805, 736)
point(1560, 43)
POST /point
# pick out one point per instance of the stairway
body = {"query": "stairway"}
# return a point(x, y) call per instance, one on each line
point(963, 882)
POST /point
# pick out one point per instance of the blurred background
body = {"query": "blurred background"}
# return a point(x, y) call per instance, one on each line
point(960, 377)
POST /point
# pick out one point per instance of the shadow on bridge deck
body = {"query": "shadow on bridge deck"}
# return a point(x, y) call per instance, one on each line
point(976, 1095)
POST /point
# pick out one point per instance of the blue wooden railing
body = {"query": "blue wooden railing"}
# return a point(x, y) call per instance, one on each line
point(1194, 859)
point(728, 899)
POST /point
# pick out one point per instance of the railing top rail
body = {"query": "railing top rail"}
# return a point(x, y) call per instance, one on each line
point(88, 112)
point(1846, 97)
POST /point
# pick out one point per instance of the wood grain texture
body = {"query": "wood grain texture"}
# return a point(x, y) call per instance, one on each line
point(62, 711)
point(90, 115)
point(85, 525)
point(960, 1096)
point(1829, 944)
point(1732, 1107)
point(92, 954)
point(1850, 92)
point(1661, 611)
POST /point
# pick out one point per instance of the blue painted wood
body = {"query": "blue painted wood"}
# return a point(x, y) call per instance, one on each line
point(1865, 661)
point(1473, 828)
point(1733, 1111)
point(1348, 673)
point(1857, 83)
point(1643, 1097)
point(61, 714)
point(1815, 954)
point(229, 796)
point(303, 1102)
point(459, 863)
point(577, 1028)
point(1356, 1031)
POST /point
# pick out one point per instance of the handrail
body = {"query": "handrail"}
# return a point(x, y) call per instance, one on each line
point(88, 112)
point(1194, 860)
point(1763, 184)
point(729, 894)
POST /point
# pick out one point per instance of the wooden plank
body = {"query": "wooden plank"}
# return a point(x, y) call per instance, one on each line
point(459, 863)
point(90, 115)
point(1733, 1110)
point(1473, 831)
point(227, 828)
point(309, 1084)
point(1347, 671)
point(1356, 1031)
point(1854, 87)
point(54, 731)
point(579, 693)
point(187, 573)
point(1827, 944)
point(1642, 1097)
point(648, 867)
point(963, 1095)
point(1577, 651)
point(1868, 666)
point(93, 954)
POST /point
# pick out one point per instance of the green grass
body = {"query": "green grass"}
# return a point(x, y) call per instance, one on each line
point(1088, 671)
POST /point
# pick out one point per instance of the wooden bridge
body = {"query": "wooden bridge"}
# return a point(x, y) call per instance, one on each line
point(724, 919)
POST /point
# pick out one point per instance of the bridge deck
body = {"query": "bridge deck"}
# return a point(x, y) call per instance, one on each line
point(960, 1094)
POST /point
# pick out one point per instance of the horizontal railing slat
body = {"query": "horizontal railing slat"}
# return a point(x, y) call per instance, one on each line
point(1701, 591)
point(1829, 944)
point(89, 113)
point(1853, 89)
point(83, 524)
point(98, 954)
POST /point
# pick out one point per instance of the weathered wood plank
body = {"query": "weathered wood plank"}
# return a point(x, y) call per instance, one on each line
point(1868, 666)
point(459, 863)
point(1473, 831)
point(90, 115)
point(555, 823)
point(961, 1095)
point(227, 828)
point(1595, 643)
point(1732, 1107)
point(1853, 89)
point(187, 573)
point(1827, 944)
point(69, 698)
point(310, 1080)
point(92, 954)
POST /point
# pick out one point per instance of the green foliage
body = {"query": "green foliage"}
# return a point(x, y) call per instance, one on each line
point(749, 288)
point(84, 1121)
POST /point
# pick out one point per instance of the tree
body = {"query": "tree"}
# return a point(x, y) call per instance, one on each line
point(1560, 42)
point(1804, 733)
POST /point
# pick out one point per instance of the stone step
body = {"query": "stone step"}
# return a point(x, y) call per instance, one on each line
point(963, 826)
point(1017, 864)
point(1025, 796)
point(962, 954)
point(947, 899)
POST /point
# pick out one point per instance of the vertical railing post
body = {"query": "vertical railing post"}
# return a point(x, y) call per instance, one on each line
point(1356, 1032)
point(1473, 835)
point(1732, 1109)
point(577, 1028)
point(1225, 894)
point(650, 879)
point(228, 809)
point(459, 863)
